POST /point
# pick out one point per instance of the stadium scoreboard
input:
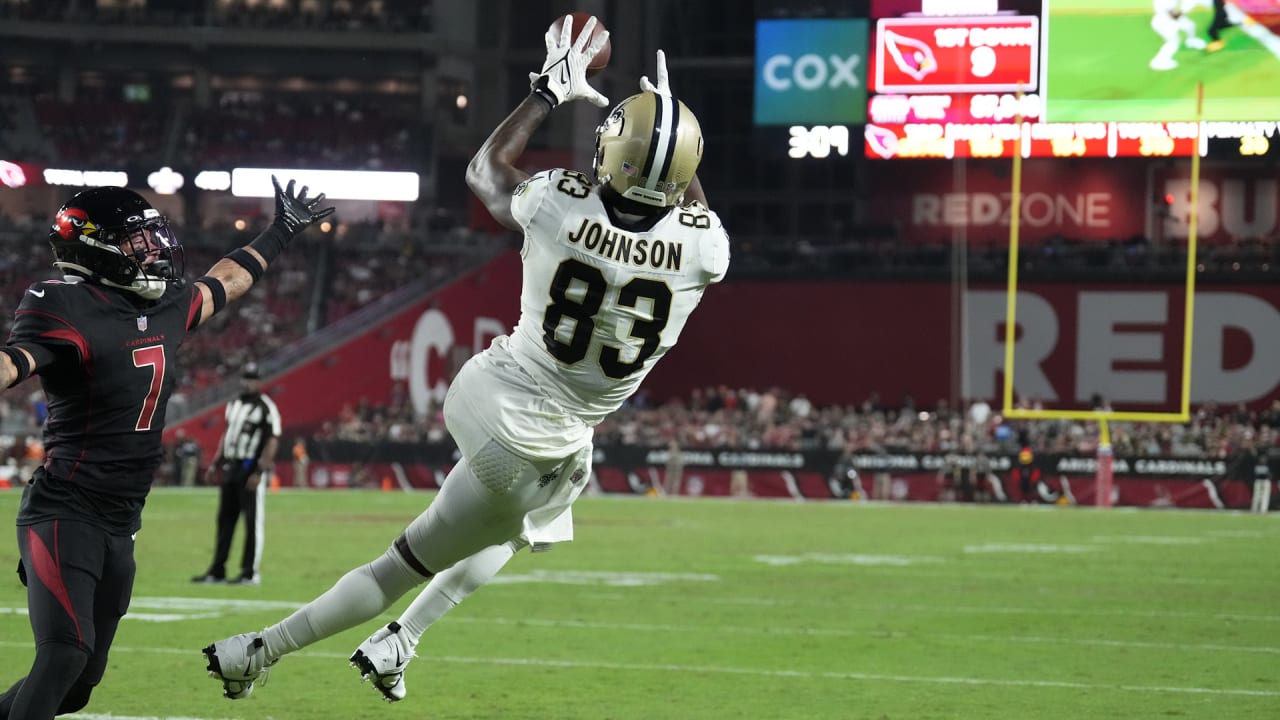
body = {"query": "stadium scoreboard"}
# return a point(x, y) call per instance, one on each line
point(978, 79)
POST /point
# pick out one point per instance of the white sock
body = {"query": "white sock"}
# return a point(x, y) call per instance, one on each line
point(452, 586)
point(359, 596)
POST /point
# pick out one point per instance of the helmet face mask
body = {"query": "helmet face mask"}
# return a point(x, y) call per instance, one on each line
point(648, 149)
point(113, 236)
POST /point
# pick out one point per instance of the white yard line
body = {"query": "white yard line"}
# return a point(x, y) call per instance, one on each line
point(835, 632)
point(877, 677)
point(830, 632)
point(955, 609)
point(759, 672)
point(109, 716)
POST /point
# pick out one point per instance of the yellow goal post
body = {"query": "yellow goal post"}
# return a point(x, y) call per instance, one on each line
point(1103, 475)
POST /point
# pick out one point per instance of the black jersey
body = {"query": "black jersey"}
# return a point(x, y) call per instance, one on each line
point(107, 392)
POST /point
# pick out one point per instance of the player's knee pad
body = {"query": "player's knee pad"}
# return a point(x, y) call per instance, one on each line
point(394, 573)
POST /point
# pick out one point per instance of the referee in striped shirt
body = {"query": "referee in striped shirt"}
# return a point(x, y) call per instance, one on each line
point(245, 455)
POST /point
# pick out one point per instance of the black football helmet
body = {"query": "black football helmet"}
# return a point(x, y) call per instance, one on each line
point(106, 234)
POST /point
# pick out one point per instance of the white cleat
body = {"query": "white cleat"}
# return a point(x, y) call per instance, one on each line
point(1162, 64)
point(238, 661)
point(382, 659)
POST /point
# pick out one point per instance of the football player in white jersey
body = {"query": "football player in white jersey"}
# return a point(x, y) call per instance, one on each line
point(612, 269)
point(1171, 23)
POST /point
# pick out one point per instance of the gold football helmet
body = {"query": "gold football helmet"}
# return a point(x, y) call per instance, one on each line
point(648, 149)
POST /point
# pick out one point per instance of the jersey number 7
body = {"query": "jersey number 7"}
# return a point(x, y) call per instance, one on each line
point(151, 356)
point(583, 313)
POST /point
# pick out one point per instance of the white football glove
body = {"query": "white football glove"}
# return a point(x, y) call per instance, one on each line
point(564, 74)
point(663, 87)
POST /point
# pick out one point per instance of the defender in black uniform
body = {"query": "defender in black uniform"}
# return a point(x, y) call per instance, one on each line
point(103, 341)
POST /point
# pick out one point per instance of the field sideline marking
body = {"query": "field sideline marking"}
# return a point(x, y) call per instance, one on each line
point(802, 674)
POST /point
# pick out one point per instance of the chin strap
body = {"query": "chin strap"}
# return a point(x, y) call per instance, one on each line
point(148, 287)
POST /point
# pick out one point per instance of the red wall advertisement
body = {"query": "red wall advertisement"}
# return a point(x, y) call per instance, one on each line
point(415, 351)
point(839, 343)
point(929, 202)
point(1237, 203)
point(611, 477)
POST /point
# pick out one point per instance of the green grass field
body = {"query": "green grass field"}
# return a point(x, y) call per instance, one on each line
point(1097, 68)
point(724, 609)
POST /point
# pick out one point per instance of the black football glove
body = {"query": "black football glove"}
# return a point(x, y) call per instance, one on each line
point(295, 213)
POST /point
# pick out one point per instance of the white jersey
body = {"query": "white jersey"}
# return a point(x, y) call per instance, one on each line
point(600, 305)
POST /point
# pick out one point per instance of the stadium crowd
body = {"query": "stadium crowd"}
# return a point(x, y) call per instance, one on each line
point(333, 15)
point(240, 128)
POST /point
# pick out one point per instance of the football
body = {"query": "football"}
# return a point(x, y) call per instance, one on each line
point(601, 60)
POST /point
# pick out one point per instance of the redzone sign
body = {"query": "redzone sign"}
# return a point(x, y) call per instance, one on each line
point(1126, 344)
point(956, 55)
point(1094, 201)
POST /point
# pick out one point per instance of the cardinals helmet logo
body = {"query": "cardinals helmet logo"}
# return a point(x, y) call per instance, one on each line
point(73, 222)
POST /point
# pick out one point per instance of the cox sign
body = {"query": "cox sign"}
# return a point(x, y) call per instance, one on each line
point(811, 72)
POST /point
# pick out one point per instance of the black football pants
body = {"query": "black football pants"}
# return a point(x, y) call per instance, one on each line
point(79, 579)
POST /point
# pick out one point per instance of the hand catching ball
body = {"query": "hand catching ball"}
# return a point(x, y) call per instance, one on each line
point(601, 60)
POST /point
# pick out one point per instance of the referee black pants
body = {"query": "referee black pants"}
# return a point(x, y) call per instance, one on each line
point(236, 500)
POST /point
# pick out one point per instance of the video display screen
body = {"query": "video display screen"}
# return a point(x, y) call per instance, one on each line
point(1053, 78)
point(1143, 60)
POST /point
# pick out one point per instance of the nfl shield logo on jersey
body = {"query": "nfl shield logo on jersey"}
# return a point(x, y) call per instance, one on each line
point(142, 323)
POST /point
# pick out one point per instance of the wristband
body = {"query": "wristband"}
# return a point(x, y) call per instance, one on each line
point(216, 289)
point(241, 257)
point(19, 361)
point(543, 93)
point(270, 242)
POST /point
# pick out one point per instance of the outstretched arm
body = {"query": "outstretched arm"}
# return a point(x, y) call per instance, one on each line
point(492, 173)
point(232, 276)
